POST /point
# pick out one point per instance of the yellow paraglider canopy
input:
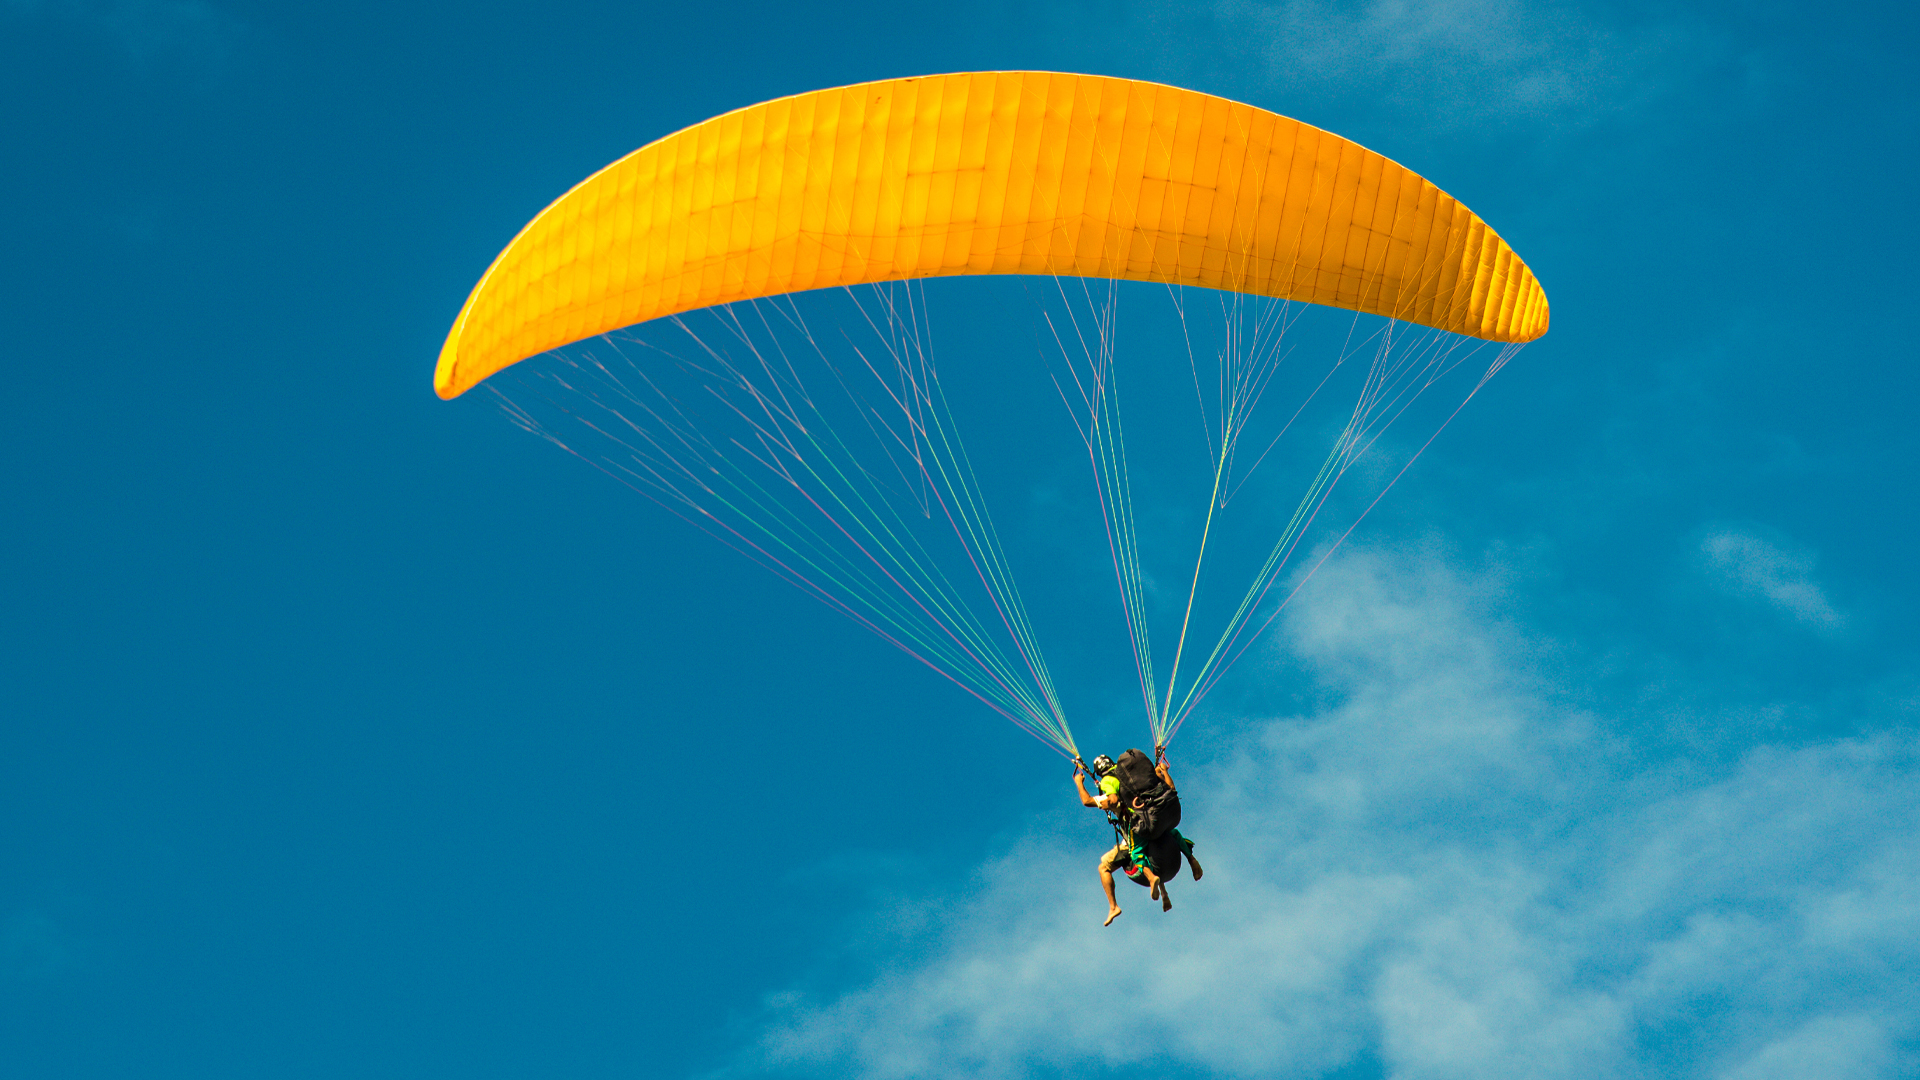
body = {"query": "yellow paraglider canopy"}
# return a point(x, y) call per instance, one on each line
point(990, 173)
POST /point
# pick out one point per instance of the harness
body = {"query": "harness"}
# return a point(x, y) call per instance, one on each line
point(1122, 838)
point(1125, 838)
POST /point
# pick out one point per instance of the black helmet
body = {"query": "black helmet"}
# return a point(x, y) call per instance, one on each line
point(1102, 765)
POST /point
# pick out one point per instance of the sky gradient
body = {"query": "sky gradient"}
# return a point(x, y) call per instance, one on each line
point(348, 731)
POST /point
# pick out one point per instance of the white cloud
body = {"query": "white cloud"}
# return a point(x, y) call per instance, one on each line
point(1822, 1049)
point(1445, 874)
point(1749, 565)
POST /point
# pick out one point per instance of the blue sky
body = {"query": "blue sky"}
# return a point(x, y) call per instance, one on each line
point(348, 731)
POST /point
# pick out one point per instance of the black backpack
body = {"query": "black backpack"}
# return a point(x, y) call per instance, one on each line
point(1163, 855)
point(1141, 790)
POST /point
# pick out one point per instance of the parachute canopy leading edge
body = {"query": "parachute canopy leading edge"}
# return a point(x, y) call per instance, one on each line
point(990, 173)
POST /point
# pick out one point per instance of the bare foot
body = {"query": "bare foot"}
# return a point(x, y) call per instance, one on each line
point(1158, 887)
point(1166, 899)
point(1111, 915)
point(1191, 861)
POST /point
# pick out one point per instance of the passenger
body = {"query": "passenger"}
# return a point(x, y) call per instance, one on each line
point(1148, 861)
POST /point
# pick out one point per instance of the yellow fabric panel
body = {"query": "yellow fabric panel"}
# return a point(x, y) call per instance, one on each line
point(1012, 172)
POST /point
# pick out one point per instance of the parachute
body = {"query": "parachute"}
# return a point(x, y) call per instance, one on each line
point(837, 462)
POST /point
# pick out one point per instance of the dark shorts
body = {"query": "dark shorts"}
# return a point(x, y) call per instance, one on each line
point(1164, 853)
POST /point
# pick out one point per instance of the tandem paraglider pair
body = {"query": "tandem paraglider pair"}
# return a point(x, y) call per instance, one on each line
point(835, 460)
point(1143, 806)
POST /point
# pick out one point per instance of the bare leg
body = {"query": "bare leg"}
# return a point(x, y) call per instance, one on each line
point(1195, 863)
point(1113, 905)
point(1166, 898)
point(1153, 880)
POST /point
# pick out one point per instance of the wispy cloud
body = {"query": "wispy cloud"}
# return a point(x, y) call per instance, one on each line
point(1462, 62)
point(1821, 1049)
point(33, 949)
point(1446, 875)
point(1749, 565)
point(145, 31)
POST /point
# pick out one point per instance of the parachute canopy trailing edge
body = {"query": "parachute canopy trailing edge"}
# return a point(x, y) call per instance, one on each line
point(990, 173)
